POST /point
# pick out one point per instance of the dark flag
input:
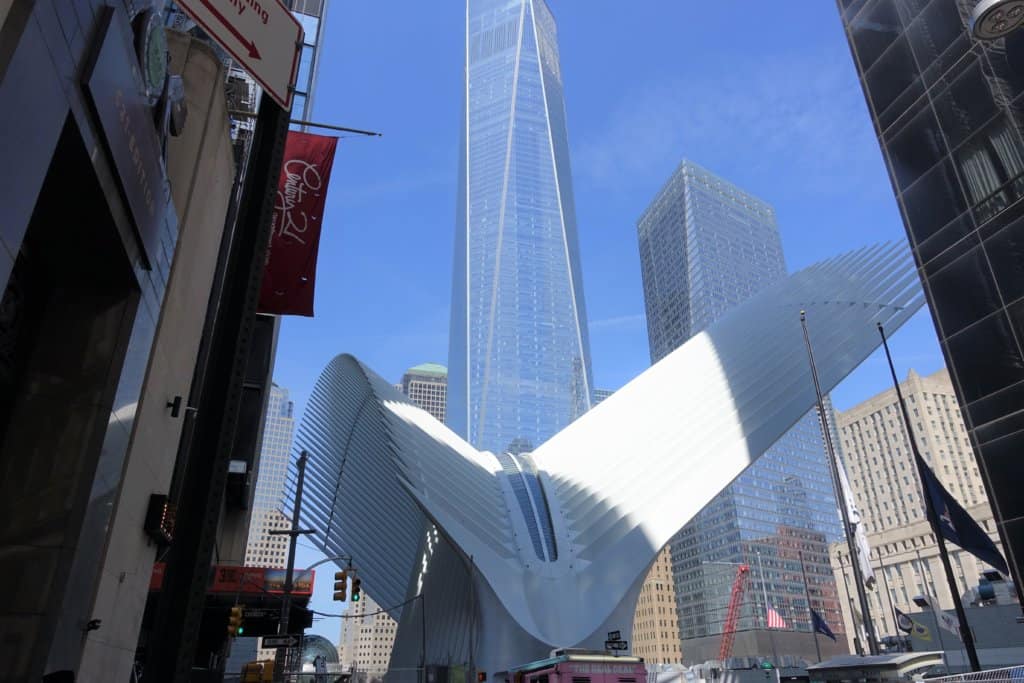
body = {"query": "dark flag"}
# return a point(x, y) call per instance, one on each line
point(820, 626)
point(958, 527)
point(290, 272)
point(903, 622)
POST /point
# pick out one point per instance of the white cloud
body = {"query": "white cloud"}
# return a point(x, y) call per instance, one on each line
point(617, 322)
point(805, 119)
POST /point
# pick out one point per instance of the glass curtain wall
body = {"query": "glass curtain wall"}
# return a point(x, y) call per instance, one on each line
point(519, 366)
point(706, 246)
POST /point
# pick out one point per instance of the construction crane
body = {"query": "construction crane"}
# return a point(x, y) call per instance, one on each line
point(739, 585)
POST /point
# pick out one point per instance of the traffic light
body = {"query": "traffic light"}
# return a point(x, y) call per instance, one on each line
point(340, 585)
point(357, 587)
point(236, 626)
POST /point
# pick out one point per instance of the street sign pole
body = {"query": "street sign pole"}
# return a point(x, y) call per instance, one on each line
point(286, 602)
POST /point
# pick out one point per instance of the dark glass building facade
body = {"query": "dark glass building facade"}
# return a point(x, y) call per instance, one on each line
point(948, 111)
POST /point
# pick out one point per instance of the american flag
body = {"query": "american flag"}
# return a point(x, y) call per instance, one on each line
point(775, 620)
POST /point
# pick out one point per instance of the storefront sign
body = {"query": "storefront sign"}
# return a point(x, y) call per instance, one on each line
point(115, 87)
point(239, 579)
point(290, 273)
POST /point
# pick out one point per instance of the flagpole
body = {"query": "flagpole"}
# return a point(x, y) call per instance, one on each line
point(807, 592)
point(965, 630)
point(848, 530)
point(932, 599)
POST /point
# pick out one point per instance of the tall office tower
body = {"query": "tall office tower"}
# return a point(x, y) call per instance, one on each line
point(427, 385)
point(264, 550)
point(949, 111)
point(883, 479)
point(706, 246)
point(655, 623)
point(519, 356)
point(367, 638)
point(602, 394)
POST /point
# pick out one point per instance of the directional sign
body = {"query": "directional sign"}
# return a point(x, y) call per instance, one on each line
point(616, 644)
point(262, 36)
point(614, 635)
point(280, 641)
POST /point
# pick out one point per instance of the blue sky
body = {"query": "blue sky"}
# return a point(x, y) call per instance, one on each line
point(761, 93)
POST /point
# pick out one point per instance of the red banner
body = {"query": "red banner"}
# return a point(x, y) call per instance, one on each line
point(290, 273)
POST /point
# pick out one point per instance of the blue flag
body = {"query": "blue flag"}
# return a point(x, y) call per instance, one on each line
point(820, 626)
point(958, 527)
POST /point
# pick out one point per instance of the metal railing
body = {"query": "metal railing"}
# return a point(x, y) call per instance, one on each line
point(1008, 674)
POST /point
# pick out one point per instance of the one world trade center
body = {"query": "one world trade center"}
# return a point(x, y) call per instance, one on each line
point(519, 356)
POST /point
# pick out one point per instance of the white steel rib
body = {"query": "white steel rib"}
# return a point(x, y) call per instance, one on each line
point(558, 541)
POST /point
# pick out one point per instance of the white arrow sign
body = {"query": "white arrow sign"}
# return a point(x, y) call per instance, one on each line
point(280, 641)
point(262, 36)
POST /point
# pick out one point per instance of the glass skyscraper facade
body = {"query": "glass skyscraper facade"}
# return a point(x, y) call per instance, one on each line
point(264, 549)
point(949, 114)
point(706, 246)
point(310, 14)
point(278, 429)
point(519, 359)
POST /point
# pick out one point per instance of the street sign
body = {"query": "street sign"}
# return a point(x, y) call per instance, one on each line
point(616, 644)
point(280, 641)
point(614, 635)
point(262, 36)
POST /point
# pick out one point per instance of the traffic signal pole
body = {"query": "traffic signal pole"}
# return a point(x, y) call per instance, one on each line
point(286, 602)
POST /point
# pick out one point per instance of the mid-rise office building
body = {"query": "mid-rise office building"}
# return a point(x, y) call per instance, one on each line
point(883, 479)
point(367, 637)
point(706, 246)
point(655, 624)
point(264, 549)
point(519, 356)
point(427, 385)
point(947, 111)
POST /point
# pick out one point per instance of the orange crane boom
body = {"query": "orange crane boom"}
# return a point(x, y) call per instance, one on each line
point(739, 585)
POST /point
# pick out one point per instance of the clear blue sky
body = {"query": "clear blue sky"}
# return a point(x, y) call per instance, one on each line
point(762, 93)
